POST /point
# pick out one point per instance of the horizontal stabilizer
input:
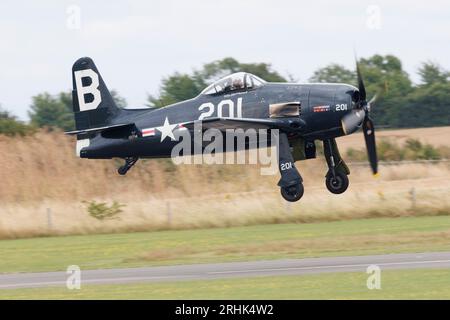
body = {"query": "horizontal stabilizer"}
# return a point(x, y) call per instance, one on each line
point(100, 129)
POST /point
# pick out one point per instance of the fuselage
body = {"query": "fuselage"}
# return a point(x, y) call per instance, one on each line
point(322, 107)
point(237, 112)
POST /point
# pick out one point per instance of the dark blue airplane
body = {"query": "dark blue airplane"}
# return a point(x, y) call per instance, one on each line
point(302, 114)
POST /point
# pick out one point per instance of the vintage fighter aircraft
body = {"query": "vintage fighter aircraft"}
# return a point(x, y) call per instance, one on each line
point(303, 113)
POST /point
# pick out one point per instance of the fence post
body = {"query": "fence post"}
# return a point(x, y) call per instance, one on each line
point(49, 219)
point(169, 214)
point(412, 193)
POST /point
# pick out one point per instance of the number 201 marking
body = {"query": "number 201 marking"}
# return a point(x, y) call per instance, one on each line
point(223, 105)
point(341, 107)
point(286, 166)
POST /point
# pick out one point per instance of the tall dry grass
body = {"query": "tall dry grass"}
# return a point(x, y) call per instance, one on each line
point(43, 186)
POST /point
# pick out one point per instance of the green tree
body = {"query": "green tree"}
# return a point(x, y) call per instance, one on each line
point(334, 73)
point(431, 73)
point(429, 104)
point(52, 111)
point(425, 106)
point(385, 77)
point(57, 110)
point(10, 126)
point(179, 87)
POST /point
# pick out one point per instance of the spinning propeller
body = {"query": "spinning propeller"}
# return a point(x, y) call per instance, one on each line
point(360, 114)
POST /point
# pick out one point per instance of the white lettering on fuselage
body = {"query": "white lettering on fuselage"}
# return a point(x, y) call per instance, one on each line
point(341, 107)
point(225, 108)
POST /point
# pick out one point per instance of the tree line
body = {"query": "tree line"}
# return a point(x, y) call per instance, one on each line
point(400, 103)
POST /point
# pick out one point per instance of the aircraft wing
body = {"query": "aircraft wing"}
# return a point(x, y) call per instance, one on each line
point(222, 124)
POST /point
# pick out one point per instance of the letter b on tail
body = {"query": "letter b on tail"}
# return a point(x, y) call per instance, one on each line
point(87, 83)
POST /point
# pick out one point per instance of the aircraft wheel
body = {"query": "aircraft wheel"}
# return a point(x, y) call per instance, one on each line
point(337, 184)
point(292, 193)
point(122, 170)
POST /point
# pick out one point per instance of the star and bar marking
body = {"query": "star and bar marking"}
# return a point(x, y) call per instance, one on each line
point(166, 130)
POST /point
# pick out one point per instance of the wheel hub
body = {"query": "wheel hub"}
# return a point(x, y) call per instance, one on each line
point(336, 182)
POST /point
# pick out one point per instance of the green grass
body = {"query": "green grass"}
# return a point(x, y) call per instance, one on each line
point(352, 237)
point(403, 284)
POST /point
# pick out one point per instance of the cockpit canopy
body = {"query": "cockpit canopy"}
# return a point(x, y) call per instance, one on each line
point(234, 82)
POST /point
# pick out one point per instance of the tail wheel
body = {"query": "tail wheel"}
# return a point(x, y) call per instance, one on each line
point(338, 183)
point(122, 170)
point(292, 193)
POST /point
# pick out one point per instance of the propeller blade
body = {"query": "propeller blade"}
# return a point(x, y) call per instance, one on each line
point(351, 121)
point(367, 124)
point(361, 87)
point(374, 98)
point(369, 137)
point(369, 104)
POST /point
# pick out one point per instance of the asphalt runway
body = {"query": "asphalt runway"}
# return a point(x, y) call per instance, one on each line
point(230, 270)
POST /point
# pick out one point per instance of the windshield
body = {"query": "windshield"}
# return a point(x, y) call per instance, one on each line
point(235, 82)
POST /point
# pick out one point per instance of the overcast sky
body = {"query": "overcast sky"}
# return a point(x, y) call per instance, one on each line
point(136, 43)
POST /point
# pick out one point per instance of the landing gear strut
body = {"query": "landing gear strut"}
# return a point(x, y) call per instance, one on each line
point(336, 178)
point(291, 182)
point(129, 162)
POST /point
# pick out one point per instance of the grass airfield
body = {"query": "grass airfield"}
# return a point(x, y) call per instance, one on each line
point(403, 284)
point(350, 237)
point(275, 241)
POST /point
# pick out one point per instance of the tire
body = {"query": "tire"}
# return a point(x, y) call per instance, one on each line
point(337, 184)
point(292, 193)
point(122, 171)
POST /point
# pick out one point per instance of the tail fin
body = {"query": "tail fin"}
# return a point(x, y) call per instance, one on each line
point(93, 104)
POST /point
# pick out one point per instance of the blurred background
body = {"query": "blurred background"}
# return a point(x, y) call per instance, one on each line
point(161, 52)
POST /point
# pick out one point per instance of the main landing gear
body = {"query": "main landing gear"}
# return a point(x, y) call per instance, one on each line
point(291, 183)
point(129, 162)
point(336, 178)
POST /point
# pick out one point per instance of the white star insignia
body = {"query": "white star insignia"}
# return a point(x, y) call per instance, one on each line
point(167, 130)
